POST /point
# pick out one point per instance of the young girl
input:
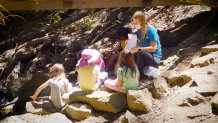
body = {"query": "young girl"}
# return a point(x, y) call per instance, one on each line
point(89, 69)
point(58, 83)
point(127, 74)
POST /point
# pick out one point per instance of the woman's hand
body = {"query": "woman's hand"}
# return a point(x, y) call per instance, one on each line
point(133, 50)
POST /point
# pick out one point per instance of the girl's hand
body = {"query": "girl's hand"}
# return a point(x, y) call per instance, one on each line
point(33, 98)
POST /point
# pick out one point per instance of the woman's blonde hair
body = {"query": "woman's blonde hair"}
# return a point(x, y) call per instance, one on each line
point(141, 17)
point(57, 70)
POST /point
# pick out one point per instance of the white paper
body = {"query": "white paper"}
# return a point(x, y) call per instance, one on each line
point(131, 43)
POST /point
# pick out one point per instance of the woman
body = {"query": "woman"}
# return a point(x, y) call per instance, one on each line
point(127, 74)
point(149, 51)
point(59, 85)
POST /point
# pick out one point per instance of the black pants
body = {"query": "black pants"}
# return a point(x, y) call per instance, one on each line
point(144, 58)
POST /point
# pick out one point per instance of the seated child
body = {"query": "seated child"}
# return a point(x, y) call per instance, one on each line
point(127, 74)
point(59, 85)
point(112, 56)
point(88, 68)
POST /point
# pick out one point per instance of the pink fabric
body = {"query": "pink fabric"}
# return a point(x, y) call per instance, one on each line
point(82, 63)
point(100, 63)
point(112, 84)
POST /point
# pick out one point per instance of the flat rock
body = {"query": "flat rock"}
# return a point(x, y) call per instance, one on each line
point(187, 97)
point(205, 60)
point(214, 101)
point(40, 108)
point(206, 78)
point(101, 100)
point(139, 100)
point(78, 111)
point(66, 96)
point(31, 118)
point(128, 117)
point(160, 87)
point(208, 49)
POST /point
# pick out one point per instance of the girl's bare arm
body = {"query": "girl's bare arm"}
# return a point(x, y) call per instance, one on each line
point(40, 88)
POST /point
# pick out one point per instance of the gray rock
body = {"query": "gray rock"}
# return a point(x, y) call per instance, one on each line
point(122, 16)
point(171, 76)
point(40, 108)
point(101, 100)
point(169, 39)
point(139, 100)
point(214, 101)
point(208, 49)
point(160, 87)
point(187, 97)
point(31, 118)
point(205, 60)
point(78, 111)
point(128, 117)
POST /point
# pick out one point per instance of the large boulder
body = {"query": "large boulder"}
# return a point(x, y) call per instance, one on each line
point(206, 79)
point(170, 39)
point(31, 118)
point(40, 108)
point(128, 117)
point(101, 100)
point(160, 87)
point(214, 101)
point(78, 111)
point(205, 60)
point(208, 49)
point(139, 100)
point(66, 96)
point(27, 83)
point(187, 97)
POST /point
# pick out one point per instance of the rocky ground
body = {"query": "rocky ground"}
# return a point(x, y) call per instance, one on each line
point(185, 91)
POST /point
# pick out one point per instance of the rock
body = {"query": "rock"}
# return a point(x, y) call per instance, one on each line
point(139, 100)
point(66, 96)
point(128, 117)
point(205, 76)
point(78, 111)
point(169, 39)
point(214, 101)
point(171, 76)
point(187, 97)
point(27, 83)
point(205, 60)
point(205, 83)
point(122, 16)
point(198, 111)
point(185, 78)
point(31, 118)
point(160, 87)
point(208, 49)
point(40, 108)
point(101, 100)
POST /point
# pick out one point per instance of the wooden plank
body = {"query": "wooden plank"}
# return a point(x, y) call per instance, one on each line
point(16, 5)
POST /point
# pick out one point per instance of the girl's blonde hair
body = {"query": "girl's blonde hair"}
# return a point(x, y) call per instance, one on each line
point(141, 17)
point(57, 70)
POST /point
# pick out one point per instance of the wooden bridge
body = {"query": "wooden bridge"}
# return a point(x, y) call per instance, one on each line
point(16, 5)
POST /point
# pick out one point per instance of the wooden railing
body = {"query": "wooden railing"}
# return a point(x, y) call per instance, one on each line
point(16, 5)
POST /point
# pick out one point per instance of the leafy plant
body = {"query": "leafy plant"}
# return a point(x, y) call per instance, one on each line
point(87, 25)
